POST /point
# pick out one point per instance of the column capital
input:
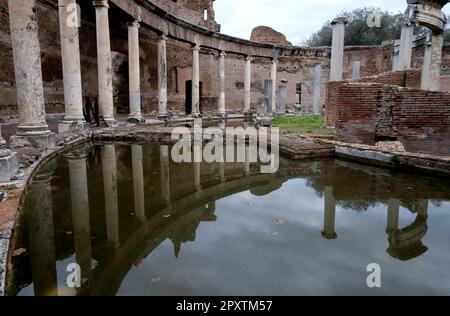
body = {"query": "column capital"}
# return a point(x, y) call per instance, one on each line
point(249, 58)
point(135, 24)
point(339, 20)
point(274, 60)
point(100, 3)
point(222, 53)
point(163, 37)
point(196, 46)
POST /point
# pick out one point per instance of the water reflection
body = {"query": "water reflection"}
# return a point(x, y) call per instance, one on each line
point(148, 200)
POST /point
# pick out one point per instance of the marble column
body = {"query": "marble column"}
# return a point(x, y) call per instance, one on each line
point(162, 77)
point(317, 85)
point(221, 104)
point(165, 172)
point(74, 120)
point(431, 72)
point(248, 86)
point(79, 197)
point(330, 215)
point(32, 129)
point(138, 181)
point(105, 84)
point(134, 74)
point(426, 65)
point(406, 42)
point(42, 234)
point(196, 81)
point(273, 77)
point(8, 161)
point(356, 70)
point(393, 215)
point(109, 164)
point(337, 48)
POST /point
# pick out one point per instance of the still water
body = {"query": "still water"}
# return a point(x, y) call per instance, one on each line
point(138, 224)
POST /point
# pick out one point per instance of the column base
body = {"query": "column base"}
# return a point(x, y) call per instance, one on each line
point(136, 120)
point(221, 115)
point(42, 141)
point(163, 117)
point(8, 165)
point(76, 127)
point(248, 114)
point(329, 236)
point(108, 122)
point(197, 115)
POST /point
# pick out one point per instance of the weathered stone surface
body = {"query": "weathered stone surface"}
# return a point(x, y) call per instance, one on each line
point(266, 34)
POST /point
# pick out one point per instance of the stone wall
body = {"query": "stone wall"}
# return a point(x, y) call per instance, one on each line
point(409, 78)
point(371, 112)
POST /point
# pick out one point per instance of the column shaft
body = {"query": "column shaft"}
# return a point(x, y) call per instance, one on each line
point(221, 104)
point(436, 61)
point(162, 76)
point(406, 41)
point(337, 49)
point(317, 100)
point(196, 80)
point(105, 86)
point(138, 181)
point(70, 55)
point(134, 73)
point(247, 84)
point(109, 164)
point(28, 71)
point(273, 77)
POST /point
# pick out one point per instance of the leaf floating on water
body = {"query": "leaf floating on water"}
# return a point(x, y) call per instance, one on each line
point(69, 233)
point(19, 252)
point(166, 216)
point(156, 279)
point(280, 222)
point(275, 233)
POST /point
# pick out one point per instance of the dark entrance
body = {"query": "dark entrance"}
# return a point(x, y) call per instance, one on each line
point(188, 91)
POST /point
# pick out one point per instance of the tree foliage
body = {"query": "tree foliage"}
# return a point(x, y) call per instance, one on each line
point(358, 31)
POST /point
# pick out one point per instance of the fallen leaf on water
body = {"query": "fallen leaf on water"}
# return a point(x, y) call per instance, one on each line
point(166, 216)
point(18, 252)
point(69, 233)
point(275, 233)
point(156, 279)
point(280, 222)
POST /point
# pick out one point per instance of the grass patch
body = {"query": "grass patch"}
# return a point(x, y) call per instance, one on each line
point(302, 125)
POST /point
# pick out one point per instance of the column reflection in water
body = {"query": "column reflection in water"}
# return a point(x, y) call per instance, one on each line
point(138, 181)
point(165, 173)
point(80, 209)
point(406, 243)
point(197, 166)
point(42, 235)
point(108, 154)
point(330, 215)
point(393, 215)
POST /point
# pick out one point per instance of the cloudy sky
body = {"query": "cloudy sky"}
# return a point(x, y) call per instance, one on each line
point(297, 19)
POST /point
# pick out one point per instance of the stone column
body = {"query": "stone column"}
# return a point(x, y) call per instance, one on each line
point(356, 70)
point(248, 86)
point(393, 215)
point(105, 85)
point(8, 161)
point(337, 48)
point(221, 105)
point(197, 167)
point(317, 85)
point(162, 77)
point(196, 81)
point(74, 120)
point(282, 97)
point(330, 215)
point(108, 154)
point(247, 160)
point(79, 197)
point(406, 42)
point(134, 74)
point(165, 172)
point(138, 181)
point(431, 72)
point(32, 129)
point(426, 65)
point(42, 234)
point(273, 77)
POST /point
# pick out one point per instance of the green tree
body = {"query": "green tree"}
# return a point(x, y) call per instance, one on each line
point(358, 32)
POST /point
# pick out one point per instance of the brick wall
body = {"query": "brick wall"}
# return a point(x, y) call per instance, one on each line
point(419, 119)
point(410, 78)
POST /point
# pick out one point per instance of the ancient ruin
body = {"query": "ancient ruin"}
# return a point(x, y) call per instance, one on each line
point(129, 71)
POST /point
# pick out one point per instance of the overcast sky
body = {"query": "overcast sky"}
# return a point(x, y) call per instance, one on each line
point(297, 19)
